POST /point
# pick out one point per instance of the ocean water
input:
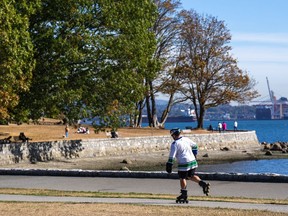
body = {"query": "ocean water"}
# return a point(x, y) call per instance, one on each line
point(266, 130)
point(277, 166)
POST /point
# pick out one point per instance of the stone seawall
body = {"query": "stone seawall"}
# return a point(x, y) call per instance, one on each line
point(64, 149)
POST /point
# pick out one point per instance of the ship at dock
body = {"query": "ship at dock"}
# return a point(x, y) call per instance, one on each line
point(184, 116)
point(180, 119)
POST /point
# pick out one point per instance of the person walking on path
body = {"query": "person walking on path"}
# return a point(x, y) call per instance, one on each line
point(66, 131)
point(219, 127)
point(184, 150)
point(235, 125)
point(224, 126)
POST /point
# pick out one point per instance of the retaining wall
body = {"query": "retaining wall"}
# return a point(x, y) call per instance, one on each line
point(45, 151)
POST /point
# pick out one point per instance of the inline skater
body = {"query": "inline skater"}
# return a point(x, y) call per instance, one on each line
point(184, 150)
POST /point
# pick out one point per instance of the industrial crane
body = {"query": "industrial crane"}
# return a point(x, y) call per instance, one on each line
point(271, 95)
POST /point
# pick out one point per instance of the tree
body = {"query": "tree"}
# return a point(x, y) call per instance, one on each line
point(166, 30)
point(210, 75)
point(129, 55)
point(16, 52)
point(90, 57)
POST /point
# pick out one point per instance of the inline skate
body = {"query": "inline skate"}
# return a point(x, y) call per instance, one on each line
point(206, 187)
point(183, 197)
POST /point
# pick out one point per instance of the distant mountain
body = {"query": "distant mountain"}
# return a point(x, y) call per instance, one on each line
point(161, 102)
point(219, 112)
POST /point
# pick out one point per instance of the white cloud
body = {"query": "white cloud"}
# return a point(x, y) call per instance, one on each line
point(250, 53)
point(260, 47)
point(267, 38)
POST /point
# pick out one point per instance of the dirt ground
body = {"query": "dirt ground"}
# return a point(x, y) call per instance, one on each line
point(49, 131)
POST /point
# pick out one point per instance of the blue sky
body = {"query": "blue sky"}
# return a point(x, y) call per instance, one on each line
point(259, 30)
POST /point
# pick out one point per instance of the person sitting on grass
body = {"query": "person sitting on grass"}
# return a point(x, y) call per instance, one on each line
point(23, 138)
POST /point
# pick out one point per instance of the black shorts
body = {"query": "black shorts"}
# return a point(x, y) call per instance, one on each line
point(186, 174)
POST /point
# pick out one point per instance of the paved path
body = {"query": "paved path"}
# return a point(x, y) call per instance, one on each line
point(267, 207)
point(146, 185)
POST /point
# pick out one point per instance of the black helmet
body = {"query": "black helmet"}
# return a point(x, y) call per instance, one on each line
point(175, 131)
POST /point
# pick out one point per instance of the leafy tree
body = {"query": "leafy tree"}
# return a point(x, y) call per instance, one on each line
point(54, 50)
point(16, 52)
point(166, 30)
point(210, 75)
point(129, 53)
point(90, 55)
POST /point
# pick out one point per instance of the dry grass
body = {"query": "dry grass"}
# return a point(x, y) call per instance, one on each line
point(56, 132)
point(52, 132)
point(73, 209)
point(59, 209)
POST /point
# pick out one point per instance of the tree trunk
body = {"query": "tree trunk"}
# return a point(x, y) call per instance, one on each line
point(149, 113)
point(201, 117)
point(153, 104)
point(138, 121)
point(166, 112)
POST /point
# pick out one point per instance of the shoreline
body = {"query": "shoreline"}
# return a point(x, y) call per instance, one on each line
point(154, 161)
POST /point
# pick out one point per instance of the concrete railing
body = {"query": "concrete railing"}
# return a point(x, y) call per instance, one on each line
point(45, 151)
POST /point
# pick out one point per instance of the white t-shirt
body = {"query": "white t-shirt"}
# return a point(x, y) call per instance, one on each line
point(181, 150)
